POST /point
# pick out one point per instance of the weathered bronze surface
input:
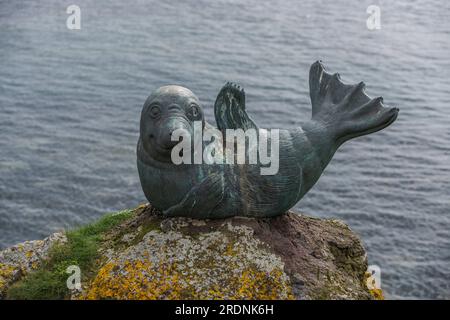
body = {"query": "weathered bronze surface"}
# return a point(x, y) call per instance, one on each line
point(339, 112)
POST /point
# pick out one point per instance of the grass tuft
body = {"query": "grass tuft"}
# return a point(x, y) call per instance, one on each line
point(81, 249)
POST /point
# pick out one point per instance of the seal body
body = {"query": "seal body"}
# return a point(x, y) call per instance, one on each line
point(339, 112)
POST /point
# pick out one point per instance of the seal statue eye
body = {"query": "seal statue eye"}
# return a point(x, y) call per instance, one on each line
point(155, 112)
point(194, 112)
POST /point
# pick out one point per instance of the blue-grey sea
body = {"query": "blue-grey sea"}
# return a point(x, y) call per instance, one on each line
point(70, 103)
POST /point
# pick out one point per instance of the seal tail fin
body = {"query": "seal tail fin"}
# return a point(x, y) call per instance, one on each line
point(344, 109)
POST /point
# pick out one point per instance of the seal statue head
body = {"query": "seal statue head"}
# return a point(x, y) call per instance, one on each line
point(167, 109)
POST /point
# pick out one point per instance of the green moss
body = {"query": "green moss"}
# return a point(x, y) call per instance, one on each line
point(42, 284)
point(146, 228)
point(328, 291)
point(81, 249)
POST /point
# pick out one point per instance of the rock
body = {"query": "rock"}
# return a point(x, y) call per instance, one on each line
point(288, 257)
point(291, 256)
point(19, 260)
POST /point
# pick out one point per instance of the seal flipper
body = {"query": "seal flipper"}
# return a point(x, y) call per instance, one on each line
point(229, 109)
point(344, 109)
point(210, 191)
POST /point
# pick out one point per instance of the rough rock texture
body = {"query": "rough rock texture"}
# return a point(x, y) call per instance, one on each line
point(289, 257)
point(17, 261)
point(148, 256)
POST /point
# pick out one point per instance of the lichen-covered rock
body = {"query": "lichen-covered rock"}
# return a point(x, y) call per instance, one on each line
point(226, 262)
point(143, 255)
point(17, 261)
point(287, 257)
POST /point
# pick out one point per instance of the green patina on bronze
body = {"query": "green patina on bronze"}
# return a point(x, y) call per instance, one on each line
point(339, 112)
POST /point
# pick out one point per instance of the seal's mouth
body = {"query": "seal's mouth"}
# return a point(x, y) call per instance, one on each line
point(162, 148)
point(166, 135)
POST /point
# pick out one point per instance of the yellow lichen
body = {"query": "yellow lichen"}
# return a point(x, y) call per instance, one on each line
point(136, 280)
point(140, 280)
point(142, 206)
point(377, 293)
point(262, 286)
point(6, 272)
point(228, 264)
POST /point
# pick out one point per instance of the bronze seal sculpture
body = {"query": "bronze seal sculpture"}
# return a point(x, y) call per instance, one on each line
point(220, 189)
